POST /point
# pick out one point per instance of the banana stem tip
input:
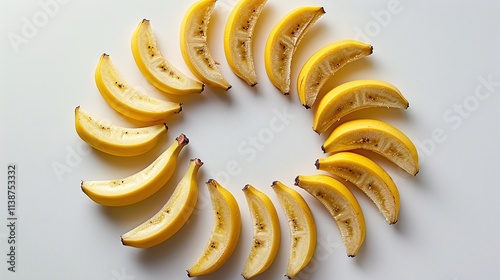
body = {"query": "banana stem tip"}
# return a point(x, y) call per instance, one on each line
point(297, 181)
point(211, 182)
point(197, 161)
point(182, 139)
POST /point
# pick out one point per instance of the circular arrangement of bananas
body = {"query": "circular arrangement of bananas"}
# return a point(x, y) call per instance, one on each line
point(342, 164)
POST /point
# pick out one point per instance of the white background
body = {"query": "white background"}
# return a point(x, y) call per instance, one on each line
point(436, 52)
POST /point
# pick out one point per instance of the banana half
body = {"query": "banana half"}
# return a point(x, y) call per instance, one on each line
point(369, 177)
point(284, 40)
point(127, 100)
point(238, 36)
point(225, 233)
point(194, 46)
point(172, 216)
point(353, 96)
point(156, 68)
point(376, 136)
point(302, 228)
point(139, 186)
point(116, 140)
point(266, 232)
point(324, 63)
point(341, 204)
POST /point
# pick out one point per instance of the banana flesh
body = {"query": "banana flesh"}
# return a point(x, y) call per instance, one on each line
point(302, 228)
point(353, 96)
point(266, 232)
point(238, 35)
point(194, 46)
point(116, 140)
point(156, 68)
point(325, 63)
point(376, 136)
point(139, 186)
point(172, 216)
point(128, 101)
point(341, 204)
point(225, 233)
point(369, 177)
point(284, 40)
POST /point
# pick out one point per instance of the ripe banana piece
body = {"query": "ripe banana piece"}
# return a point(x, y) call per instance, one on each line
point(156, 68)
point(116, 140)
point(369, 177)
point(139, 186)
point(266, 232)
point(283, 41)
point(172, 216)
point(238, 36)
point(324, 63)
point(225, 233)
point(127, 100)
point(377, 136)
point(194, 46)
point(341, 204)
point(302, 228)
point(355, 95)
